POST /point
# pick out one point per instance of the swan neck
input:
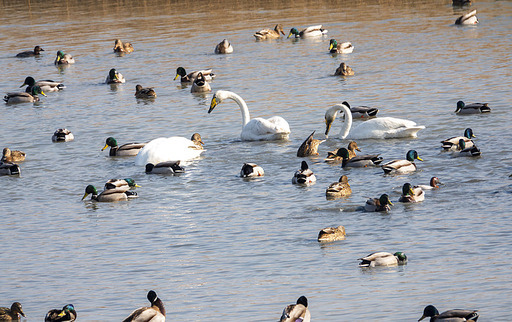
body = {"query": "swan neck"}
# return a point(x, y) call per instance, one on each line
point(246, 117)
point(347, 124)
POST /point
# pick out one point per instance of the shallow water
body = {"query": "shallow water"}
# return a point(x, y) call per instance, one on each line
point(214, 245)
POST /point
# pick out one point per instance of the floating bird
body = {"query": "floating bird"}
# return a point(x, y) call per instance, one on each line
point(472, 151)
point(363, 112)
point(383, 259)
point(270, 33)
point(37, 50)
point(402, 166)
point(344, 70)
point(64, 59)
point(155, 313)
point(167, 167)
point(62, 135)
point(473, 108)
point(467, 19)
point(109, 195)
point(120, 47)
point(343, 48)
point(200, 85)
point(309, 147)
point(312, 31)
point(453, 143)
point(174, 148)
point(456, 315)
point(351, 148)
point(190, 77)
point(331, 234)
point(378, 128)
point(298, 312)
point(128, 149)
point(11, 314)
point(9, 169)
point(433, 184)
point(360, 161)
point(461, 2)
point(24, 97)
point(378, 204)
point(147, 92)
point(224, 47)
point(338, 189)
point(257, 129)
point(126, 184)
point(12, 156)
point(45, 85)
point(411, 194)
point(67, 314)
point(114, 77)
point(304, 175)
point(250, 170)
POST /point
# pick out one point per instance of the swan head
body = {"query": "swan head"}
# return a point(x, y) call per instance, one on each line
point(330, 115)
point(218, 97)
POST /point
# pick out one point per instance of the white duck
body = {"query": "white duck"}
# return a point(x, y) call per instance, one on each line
point(257, 129)
point(378, 128)
point(175, 148)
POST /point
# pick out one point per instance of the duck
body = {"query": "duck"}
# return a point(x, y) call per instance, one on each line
point(378, 128)
point(24, 97)
point(13, 156)
point(224, 47)
point(312, 31)
point(456, 315)
point(62, 135)
point(453, 143)
point(378, 204)
point(473, 108)
point(63, 59)
point(338, 189)
point(120, 47)
point(383, 259)
point(309, 147)
point(461, 2)
point(270, 33)
point(250, 170)
point(363, 112)
point(127, 149)
point(190, 77)
point(11, 314)
point(402, 166)
point(109, 195)
point(147, 92)
point(257, 129)
point(37, 50)
point(351, 148)
point(411, 194)
point(126, 184)
point(359, 161)
point(154, 313)
point(433, 184)
point(304, 175)
point(114, 77)
point(67, 314)
point(344, 70)
point(472, 151)
point(331, 234)
point(167, 167)
point(45, 85)
point(174, 148)
point(297, 312)
point(200, 85)
point(467, 19)
point(9, 169)
point(343, 48)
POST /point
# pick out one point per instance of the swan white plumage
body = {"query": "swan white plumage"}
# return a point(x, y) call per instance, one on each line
point(378, 128)
point(257, 129)
point(175, 148)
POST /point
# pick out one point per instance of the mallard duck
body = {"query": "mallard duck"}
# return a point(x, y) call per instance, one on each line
point(24, 97)
point(309, 146)
point(155, 313)
point(64, 59)
point(312, 31)
point(411, 194)
point(363, 112)
point(351, 148)
point(11, 314)
point(433, 184)
point(141, 92)
point(109, 195)
point(472, 151)
point(190, 77)
point(167, 167)
point(174, 148)
point(200, 85)
point(126, 184)
point(67, 314)
point(120, 47)
point(62, 135)
point(473, 108)
point(224, 47)
point(360, 161)
point(344, 70)
point(45, 85)
point(128, 149)
point(257, 129)
point(338, 189)
point(402, 166)
point(298, 312)
point(331, 234)
point(467, 19)
point(304, 175)
point(250, 170)
point(37, 50)
point(270, 33)
point(383, 259)
point(456, 315)
point(378, 204)
point(461, 2)
point(9, 169)
point(453, 143)
point(114, 77)
point(12, 156)
point(343, 48)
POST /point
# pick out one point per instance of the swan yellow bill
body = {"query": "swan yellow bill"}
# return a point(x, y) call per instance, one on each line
point(213, 104)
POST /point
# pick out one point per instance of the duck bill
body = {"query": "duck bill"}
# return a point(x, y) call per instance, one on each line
point(411, 192)
point(422, 317)
point(63, 313)
point(85, 195)
point(213, 104)
point(289, 35)
point(42, 93)
point(419, 158)
point(390, 203)
point(23, 84)
point(330, 46)
point(137, 186)
point(176, 77)
point(106, 146)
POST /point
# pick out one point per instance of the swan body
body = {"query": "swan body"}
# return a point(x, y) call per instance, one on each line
point(331, 234)
point(344, 70)
point(383, 259)
point(257, 129)
point(338, 189)
point(378, 204)
point(37, 50)
point(200, 85)
point(250, 170)
point(24, 97)
point(378, 128)
point(155, 313)
point(67, 314)
point(120, 47)
point(114, 77)
point(473, 108)
point(141, 92)
point(433, 184)
point(312, 31)
point(190, 77)
point(453, 143)
point(175, 148)
point(309, 146)
point(411, 194)
point(62, 135)
point(456, 315)
point(11, 314)
point(167, 167)
point(343, 48)
point(402, 166)
point(45, 85)
point(467, 19)
point(128, 149)
point(298, 312)
point(270, 33)
point(9, 169)
point(12, 156)
point(304, 175)
point(224, 47)
point(64, 59)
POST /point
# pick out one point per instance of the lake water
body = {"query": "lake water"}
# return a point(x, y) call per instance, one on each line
point(214, 246)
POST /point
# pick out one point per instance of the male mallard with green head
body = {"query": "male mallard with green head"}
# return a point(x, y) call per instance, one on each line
point(378, 204)
point(64, 59)
point(312, 31)
point(456, 315)
point(109, 195)
point(411, 194)
point(154, 313)
point(297, 312)
point(402, 166)
point(383, 259)
point(128, 149)
point(473, 108)
point(24, 97)
point(45, 85)
point(67, 314)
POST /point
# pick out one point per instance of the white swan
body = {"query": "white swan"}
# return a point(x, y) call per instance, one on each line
point(378, 128)
point(175, 148)
point(257, 129)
